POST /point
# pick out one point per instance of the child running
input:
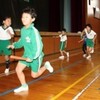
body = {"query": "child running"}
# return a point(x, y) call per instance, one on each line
point(91, 36)
point(6, 33)
point(33, 50)
point(63, 43)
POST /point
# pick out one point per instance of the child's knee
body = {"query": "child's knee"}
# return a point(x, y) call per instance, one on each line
point(18, 70)
point(34, 75)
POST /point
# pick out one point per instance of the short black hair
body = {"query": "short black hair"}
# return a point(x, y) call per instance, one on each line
point(6, 17)
point(63, 29)
point(89, 25)
point(30, 11)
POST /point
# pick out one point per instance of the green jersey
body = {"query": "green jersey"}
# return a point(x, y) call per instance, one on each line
point(31, 41)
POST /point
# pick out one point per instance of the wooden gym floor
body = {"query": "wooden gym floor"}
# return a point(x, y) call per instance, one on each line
point(73, 79)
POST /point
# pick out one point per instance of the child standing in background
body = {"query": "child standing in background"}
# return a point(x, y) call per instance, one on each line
point(31, 41)
point(6, 33)
point(63, 44)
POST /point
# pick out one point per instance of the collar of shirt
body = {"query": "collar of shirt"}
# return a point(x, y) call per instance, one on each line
point(4, 27)
point(31, 25)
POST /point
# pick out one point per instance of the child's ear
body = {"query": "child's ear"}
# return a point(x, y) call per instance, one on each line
point(33, 19)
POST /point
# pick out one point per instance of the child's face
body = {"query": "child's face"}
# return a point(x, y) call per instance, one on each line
point(88, 28)
point(26, 19)
point(7, 22)
point(63, 32)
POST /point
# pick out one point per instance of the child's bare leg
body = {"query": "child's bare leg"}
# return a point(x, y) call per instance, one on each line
point(67, 53)
point(61, 52)
point(19, 70)
point(92, 50)
point(39, 73)
point(64, 51)
point(47, 66)
point(88, 52)
point(62, 55)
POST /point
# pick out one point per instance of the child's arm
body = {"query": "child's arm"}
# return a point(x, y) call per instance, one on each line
point(80, 40)
point(8, 31)
point(59, 35)
point(16, 45)
point(66, 44)
point(83, 32)
point(94, 38)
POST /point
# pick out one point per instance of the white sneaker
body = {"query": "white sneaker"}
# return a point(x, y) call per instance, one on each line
point(67, 54)
point(61, 57)
point(84, 55)
point(20, 89)
point(6, 71)
point(48, 66)
point(88, 57)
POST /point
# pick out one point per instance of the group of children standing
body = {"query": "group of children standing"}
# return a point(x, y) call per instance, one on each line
point(31, 41)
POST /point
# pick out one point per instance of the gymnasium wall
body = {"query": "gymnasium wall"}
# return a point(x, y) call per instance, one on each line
point(49, 13)
point(82, 12)
point(95, 22)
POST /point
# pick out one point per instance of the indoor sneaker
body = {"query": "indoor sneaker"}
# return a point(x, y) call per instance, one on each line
point(88, 57)
point(61, 57)
point(21, 89)
point(48, 66)
point(6, 71)
point(84, 55)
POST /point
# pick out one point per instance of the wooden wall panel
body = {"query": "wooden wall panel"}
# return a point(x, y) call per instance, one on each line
point(51, 43)
point(56, 44)
point(73, 43)
point(48, 43)
point(90, 16)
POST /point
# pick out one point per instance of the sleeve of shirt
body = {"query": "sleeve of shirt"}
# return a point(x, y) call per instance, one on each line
point(94, 32)
point(65, 37)
point(60, 35)
point(18, 44)
point(11, 30)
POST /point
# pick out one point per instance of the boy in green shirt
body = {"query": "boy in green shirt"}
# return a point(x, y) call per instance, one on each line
point(31, 41)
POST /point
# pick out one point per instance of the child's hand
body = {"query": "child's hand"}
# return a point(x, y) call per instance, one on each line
point(28, 60)
point(10, 46)
point(85, 30)
point(79, 41)
point(93, 41)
